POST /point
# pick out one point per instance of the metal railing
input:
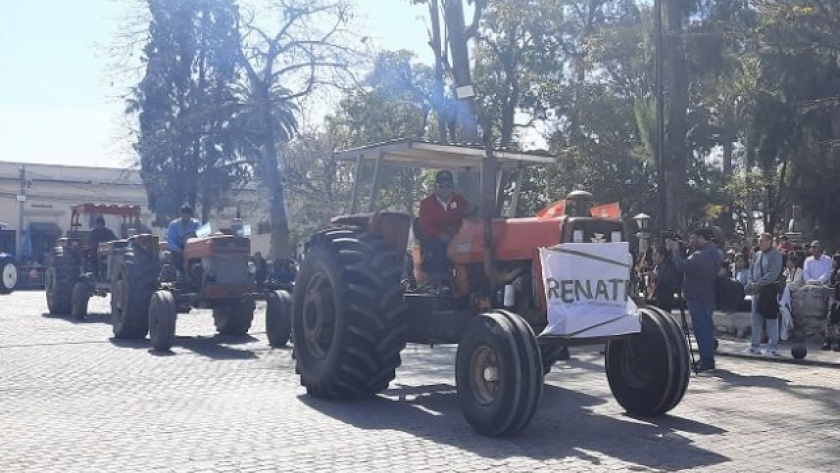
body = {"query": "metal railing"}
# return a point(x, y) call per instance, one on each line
point(31, 278)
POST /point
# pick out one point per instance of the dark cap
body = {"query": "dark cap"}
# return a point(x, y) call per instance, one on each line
point(99, 219)
point(444, 177)
point(706, 233)
point(186, 209)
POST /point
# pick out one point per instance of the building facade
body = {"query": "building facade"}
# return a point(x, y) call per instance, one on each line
point(35, 203)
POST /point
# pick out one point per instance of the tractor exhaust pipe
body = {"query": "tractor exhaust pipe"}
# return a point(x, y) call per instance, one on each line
point(489, 171)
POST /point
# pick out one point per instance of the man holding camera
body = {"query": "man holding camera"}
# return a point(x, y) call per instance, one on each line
point(700, 269)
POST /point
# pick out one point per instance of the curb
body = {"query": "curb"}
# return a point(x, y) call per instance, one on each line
point(780, 359)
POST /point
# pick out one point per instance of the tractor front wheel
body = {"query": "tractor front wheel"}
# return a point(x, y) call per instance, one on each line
point(80, 297)
point(278, 318)
point(648, 372)
point(162, 316)
point(499, 373)
point(234, 318)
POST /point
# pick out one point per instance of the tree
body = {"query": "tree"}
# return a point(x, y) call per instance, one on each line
point(394, 102)
point(310, 47)
point(184, 101)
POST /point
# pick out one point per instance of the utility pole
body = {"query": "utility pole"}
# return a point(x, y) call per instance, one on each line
point(660, 120)
point(21, 198)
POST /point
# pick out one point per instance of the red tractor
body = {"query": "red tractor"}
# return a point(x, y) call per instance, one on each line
point(126, 268)
point(215, 276)
point(352, 314)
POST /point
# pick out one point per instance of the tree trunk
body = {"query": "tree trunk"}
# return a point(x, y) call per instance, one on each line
point(457, 29)
point(676, 154)
point(454, 17)
point(749, 159)
point(727, 158)
point(437, 47)
point(279, 241)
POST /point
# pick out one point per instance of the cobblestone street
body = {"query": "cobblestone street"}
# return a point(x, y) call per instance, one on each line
point(71, 399)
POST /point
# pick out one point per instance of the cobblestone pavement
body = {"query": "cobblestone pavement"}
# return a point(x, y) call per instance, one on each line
point(73, 400)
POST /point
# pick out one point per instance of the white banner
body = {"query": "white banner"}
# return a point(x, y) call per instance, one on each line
point(587, 290)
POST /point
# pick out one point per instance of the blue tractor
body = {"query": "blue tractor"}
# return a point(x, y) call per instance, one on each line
point(8, 270)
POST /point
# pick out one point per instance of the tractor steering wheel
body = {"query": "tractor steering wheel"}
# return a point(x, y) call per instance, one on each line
point(186, 237)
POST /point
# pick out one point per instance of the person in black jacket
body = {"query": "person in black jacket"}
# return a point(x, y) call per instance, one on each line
point(99, 234)
point(665, 280)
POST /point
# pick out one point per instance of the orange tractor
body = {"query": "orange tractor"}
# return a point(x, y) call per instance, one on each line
point(353, 315)
point(215, 276)
point(126, 268)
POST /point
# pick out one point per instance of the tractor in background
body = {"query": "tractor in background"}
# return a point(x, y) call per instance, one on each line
point(127, 269)
point(353, 314)
point(215, 276)
point(8, 270)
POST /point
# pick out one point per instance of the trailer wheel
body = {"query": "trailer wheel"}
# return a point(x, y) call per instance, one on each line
point(499, 373)
point(234, 318)
point(278, 318)
point(648, 372)
point(80, 298)
point(162, 317)
point(348, 315)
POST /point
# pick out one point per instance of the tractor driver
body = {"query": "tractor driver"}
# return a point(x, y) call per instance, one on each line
point(440, 216)
point(99, 234)
point(175, 237)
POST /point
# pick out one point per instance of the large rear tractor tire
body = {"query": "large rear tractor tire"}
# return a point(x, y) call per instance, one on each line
point(133, 281)
point(234, 318)
point(59, 280)
point(162, 316)
point(349, 317)
point(8, 274)
point(648, 372)
point(278, 318)
point(499, 373)
point(80, 297)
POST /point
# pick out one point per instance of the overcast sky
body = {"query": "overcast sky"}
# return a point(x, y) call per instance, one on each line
point(56, 102)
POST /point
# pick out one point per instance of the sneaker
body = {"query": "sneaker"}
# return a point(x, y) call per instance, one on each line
point(751, 351)
point(701, 368)
point(769, 352)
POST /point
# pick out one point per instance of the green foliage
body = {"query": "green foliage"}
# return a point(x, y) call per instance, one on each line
point(187, 140)
point(395, 102)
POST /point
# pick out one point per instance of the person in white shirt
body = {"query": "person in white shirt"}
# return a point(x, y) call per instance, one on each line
point(817, 268)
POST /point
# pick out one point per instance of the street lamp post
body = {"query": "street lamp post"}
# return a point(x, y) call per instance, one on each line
point(642, 221)
point(660, 118)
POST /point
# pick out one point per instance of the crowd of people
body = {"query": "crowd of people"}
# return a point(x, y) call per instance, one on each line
point(277, 273)
point(764, 277)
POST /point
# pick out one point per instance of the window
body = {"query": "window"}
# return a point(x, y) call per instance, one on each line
point(8, 241)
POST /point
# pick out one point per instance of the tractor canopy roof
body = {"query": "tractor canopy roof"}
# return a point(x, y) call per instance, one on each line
point(102, 209)
point(428, 154)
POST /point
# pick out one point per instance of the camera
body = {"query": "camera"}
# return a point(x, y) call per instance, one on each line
point(674, 236)
point(671, 235)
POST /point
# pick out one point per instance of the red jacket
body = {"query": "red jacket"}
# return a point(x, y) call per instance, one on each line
point(435, 219)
